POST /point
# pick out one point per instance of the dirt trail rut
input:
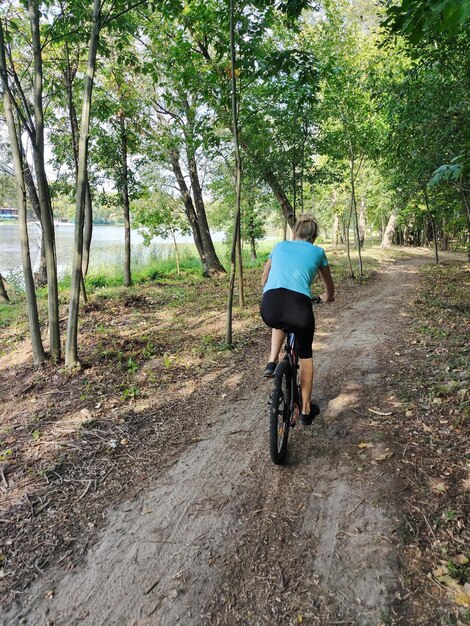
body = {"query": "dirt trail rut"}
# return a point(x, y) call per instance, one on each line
point(224, 537)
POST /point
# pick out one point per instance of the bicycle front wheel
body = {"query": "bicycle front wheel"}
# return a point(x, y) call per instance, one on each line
point(279, 417)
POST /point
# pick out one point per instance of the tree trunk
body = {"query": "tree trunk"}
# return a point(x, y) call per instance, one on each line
point(445, 236)
point(284, 229)
point(389, 232)
point(236, 230)
point(75, 139)
point(433, 224)
point(40, 276)
point(335, 231)
point(278, 191)
point(467, 207)
point(71, 346)
point(241, 287)
point(362, 222)
point(253, 255)
point(427, 234)
point(88, 223)
point(251, 228)
point(39, 356)
point(302, 165)
point(294, 186)
point(43, 187)
point(125, 201)
point(189, 209)
point(177, 256)
point(348, 247)
point(87, 229)
point(356, 218)
point(214, 266)
point(271, 179)
point(3, 292)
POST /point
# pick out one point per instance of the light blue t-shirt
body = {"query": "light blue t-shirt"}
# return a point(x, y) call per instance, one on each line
point(294, 265)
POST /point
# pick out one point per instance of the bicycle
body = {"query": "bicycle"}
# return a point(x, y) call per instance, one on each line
point(285, 404)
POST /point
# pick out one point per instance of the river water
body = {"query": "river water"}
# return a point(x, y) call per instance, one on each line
point(107, 248)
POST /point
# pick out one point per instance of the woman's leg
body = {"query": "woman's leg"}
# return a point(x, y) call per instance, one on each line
point(306, 383)
point(277, 339)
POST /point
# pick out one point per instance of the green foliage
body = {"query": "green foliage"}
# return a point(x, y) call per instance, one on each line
point(130, 393)
point(446, 173)
point(5, 454)
point(159, 214)
point(7, 191)
point(132, 366)
point(35, 435)
point(426, 19)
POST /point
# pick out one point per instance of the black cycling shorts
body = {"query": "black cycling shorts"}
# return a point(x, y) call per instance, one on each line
point(283, 308)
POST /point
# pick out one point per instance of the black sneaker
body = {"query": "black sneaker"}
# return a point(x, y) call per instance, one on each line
point(269, 370)
point(306, 420)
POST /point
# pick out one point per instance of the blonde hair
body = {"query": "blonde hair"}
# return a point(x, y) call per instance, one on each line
point(305, 227)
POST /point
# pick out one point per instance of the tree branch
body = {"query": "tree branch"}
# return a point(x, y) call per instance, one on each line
point(110, 18)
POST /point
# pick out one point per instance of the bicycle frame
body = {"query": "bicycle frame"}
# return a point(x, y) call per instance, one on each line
point(293, 359)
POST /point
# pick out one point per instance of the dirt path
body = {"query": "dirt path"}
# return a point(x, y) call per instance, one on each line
point(224, 537)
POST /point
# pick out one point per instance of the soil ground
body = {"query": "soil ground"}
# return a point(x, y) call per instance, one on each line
point(216, 534)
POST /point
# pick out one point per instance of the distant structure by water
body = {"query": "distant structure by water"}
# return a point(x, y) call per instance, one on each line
point(8, 213)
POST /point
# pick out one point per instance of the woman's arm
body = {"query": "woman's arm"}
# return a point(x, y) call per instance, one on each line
point(266, 271)
point(329, 294)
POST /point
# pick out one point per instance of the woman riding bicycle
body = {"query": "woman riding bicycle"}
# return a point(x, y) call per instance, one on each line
point(287, 303)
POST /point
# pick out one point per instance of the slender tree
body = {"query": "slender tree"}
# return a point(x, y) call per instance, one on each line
point(31, 119)
point(71, 344)
point(3, 292)
point(236, 230)
point(39, 355)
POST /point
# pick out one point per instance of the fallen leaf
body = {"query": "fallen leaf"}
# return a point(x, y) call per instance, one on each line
point(448, 581)
point(366, 445)
point(460, 559)
point(462, 598)
point(383, 456)
point(440, 571)
point(440, 486)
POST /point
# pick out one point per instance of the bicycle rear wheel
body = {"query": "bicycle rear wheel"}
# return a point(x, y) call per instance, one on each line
point(279, 415)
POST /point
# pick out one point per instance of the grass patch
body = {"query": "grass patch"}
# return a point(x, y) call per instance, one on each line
point(105, 281)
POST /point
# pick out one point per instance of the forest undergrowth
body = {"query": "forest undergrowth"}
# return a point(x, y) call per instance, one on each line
point(431, 378)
